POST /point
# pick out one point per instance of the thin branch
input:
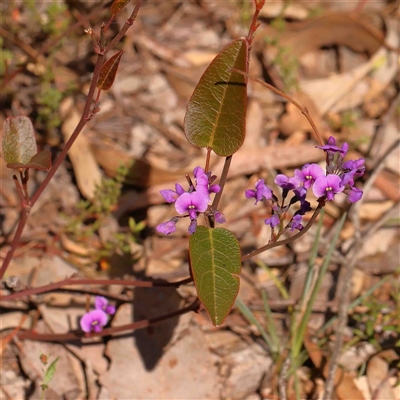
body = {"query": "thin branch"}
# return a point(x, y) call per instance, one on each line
point(100, 282)
point(222, 181)
point(78, 336)
point(303, 109)
point(288, 240)
point(127, 25)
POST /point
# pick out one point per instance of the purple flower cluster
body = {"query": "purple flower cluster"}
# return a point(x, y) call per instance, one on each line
point(192, 202)
point(95, 320)
point(339, 177)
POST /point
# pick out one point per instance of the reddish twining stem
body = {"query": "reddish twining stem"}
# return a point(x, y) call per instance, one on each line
point(86, 115)
point(65, 337)
point(100, 282)
point(303, 109)
point(254, 23)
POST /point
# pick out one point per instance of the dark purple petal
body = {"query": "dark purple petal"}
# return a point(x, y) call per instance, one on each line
point(354, 167)
point(332, 148)
point(192, 226)
point(287, 183)
point(166, 227)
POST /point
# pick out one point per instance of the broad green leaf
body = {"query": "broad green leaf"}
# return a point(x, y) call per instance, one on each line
point(109, 71)
point(41, 161)
point(118, 5)
point(50, 371)
point(215, 264)
point(19, 143)
point(216, 113)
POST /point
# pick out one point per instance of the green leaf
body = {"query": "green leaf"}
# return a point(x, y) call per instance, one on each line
point(118, 5)
point(215, 264)
point(19, 143)
point(50, 371)
point(109, 71)
point(216, 113)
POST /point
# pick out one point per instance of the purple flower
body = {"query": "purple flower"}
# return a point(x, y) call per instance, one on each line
point(295, 223)
point(355, 195)
point(192, 226)
point(309, 174)
point(101, 303)
point(170, 196)
point(204, 181)
point(287, 183)
point(219, 217)
point(332, 148)
point(261, 191)
point(167, 227)
point(93, 321)
point(198, 172)
point(327, 186)
point(192, 203)
point(352, 169)
point(272, 221)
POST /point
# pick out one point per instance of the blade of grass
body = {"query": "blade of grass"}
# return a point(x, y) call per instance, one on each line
point(284, 293)
point(251, 318)
point(311, 262)
point(297, 339)
point(271, 323)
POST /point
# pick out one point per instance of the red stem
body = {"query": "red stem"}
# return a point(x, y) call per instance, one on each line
point(64, 337)
point(101, 282)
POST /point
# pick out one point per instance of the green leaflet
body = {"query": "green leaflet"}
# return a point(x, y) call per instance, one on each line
point(215, 263)
point(216, 113)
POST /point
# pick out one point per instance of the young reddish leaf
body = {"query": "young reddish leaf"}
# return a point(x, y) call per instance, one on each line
point(41, 161)
point(109, 71)
point(215, 264)
point(216, 113)
point(118, 5)
point(19, 143)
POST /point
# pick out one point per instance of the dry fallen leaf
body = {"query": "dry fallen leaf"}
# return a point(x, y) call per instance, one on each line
point(378, 374)
point(87, 171)
point(345, 387)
